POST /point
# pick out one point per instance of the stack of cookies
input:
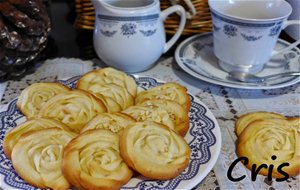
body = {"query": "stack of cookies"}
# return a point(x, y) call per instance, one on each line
point(270, 139)
point(97, 135)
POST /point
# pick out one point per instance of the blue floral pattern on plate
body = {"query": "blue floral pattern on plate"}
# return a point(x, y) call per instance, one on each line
point(203, 135)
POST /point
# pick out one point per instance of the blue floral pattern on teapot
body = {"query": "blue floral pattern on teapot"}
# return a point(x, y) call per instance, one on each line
point(129, 25)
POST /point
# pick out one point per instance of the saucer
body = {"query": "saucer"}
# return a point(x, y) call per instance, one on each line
point(196, 57)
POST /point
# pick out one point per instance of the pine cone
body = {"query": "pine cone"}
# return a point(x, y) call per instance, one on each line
point(24, 28)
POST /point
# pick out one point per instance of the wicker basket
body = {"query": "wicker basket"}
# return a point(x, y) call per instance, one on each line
point(198, 14)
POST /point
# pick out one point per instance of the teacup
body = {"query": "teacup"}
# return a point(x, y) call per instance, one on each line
point(129, 34)
point(245, 32)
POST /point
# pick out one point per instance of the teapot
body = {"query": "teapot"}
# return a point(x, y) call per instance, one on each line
point(129, 34)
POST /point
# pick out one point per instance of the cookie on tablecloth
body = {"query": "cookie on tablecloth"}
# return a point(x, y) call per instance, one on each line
point(244, 120)
point(272, 141)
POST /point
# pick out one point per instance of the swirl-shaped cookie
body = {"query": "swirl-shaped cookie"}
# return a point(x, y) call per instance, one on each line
point(176, 112)
point(112, 93)
point(115, 122)
point(13, 136)
point(92, 161)
point(154, 150)
point(246, 119)
point(36, 95)
point(272, 141)
point(295, 121)
point(108, 76)
point(147, 113)
point(168, 91)
point(74, 108)
point(111, 105)
point(37, 157)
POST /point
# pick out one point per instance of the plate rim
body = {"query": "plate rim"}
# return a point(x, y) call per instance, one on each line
point(214, 149)
point(221, 83)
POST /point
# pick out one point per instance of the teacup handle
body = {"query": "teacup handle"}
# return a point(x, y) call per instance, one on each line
point(293, 45)
point(164, 14)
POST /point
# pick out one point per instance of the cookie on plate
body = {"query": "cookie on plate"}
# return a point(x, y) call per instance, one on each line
point(154, 150)
point(115, 122)
point(244, 120)
point(92, 161)
point(74, 108)
point(272, 141)
point(12, 137)
point(176, 112)
point(168, 91)
point(116, 97)
point(108, 75)
point(37, 157)
point(36, 95)
point(147, 113)
point(111, 105)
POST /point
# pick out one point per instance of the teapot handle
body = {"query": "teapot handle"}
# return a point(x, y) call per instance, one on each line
point(180, 11)
point(192, 9)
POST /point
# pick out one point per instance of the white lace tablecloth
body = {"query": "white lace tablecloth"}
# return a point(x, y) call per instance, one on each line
point(225, 103)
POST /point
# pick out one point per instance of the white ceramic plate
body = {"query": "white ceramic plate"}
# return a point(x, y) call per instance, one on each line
point(195, 56)
point(204, 138)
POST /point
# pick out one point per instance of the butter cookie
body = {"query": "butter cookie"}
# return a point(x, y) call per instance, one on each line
point(115, 122)
point(147, 113)
point(176, 112)
point(37, 157)
point(112, 93)
point(154, 150)
point(244, 120)
point(108, 75)
point(74, 108)
point(168, 91)
point(36, 95)
point(272, 141)
point(92, 161)
point(13, 136)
